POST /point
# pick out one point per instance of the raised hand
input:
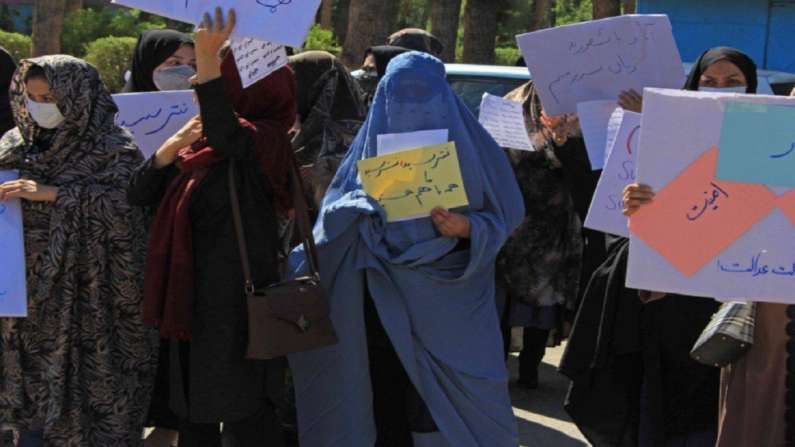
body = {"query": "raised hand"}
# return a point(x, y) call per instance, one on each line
point(211, 35)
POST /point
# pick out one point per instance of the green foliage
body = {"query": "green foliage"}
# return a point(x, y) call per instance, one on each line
point(414, 14)
point(573, 11)
point(111, 56)
point(506, 56)
point(513, 19)
point(18, 45)
point(321, 39)
point(86, 25)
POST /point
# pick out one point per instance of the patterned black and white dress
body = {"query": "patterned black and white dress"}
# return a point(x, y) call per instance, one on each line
point(80, 367)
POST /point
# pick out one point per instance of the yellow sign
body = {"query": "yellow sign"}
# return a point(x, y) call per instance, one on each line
point(412, 183)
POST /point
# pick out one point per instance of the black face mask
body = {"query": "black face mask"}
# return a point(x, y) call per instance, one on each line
point(368, 82)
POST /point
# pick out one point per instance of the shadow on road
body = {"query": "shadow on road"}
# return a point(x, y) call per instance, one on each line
point(539, 413)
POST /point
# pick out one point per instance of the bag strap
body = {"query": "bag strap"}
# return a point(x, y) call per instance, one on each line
point(302, 220)
point(301, 217)
point(241, 235)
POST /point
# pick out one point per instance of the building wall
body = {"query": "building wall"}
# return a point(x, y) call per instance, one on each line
point(761, 28)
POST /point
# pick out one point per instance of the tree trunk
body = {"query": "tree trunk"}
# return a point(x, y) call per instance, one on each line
point(426, 14)
point(370, 22)
point(542, 14)
point(606, 8)
point(73, 5)
point(341, 16)
point(480, 31)
point(445, 15)
point(327, 14)
point(630, 6)
point(47, 26)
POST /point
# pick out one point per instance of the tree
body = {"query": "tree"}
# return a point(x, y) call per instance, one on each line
point(630, 6)
point(327, 14)
point(73, 5)
point(543, 10)
point(606, 8)
point(445, 16)
point(48, 18)
point(7, 17)
point(480, 31)
point(341, 16)
point(370, 23)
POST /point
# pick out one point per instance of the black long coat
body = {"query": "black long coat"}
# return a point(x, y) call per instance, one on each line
point(211, 381)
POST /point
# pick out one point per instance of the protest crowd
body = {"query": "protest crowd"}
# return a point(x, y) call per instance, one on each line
point(329, 258)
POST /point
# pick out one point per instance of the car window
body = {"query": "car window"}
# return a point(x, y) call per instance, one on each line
point(471, 90)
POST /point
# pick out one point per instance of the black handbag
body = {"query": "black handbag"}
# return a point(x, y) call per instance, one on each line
point(290, 316)
point(729, 335)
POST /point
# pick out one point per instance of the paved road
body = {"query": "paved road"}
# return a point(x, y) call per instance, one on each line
point(542, 420)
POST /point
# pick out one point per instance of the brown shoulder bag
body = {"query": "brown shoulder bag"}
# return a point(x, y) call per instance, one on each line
point(290, 316)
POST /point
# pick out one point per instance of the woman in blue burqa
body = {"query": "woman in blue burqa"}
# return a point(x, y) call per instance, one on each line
point(419, 361)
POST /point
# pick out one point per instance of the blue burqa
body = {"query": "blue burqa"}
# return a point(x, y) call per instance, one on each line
point(436, 302)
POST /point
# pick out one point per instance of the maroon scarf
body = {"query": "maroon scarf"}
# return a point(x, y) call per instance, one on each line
point(267, 110)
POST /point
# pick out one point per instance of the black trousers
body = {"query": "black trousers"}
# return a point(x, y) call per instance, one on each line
point(398, 407)
point(534, 345)
point(261, 429)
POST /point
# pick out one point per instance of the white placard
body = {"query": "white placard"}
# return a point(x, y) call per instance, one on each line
point(605, 213)
point(504, 119)
point(282, 21)
point(597, 60)
point(256, 59)
point(389, 143)
point(680, 137)
point(613, 126)
point(153, 117)
point(594, 120)
point(13, 290)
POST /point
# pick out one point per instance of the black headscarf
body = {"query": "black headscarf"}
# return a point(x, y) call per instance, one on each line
point(736, 57)
point(313, 70)
point(7, 69)
point(331, 107)
point(153, 48)
point(418, 40)
point(383, 54)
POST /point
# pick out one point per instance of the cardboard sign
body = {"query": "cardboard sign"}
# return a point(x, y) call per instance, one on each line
point(605, 213)
point(256, 59)
point(757, 144)
point(597, 60)
point(595, 122)
point(13, 289)
point(390, 143)
point(154, 117)
point(410, 184)
point(286, 22)
point(504, 120)
point(702, 235)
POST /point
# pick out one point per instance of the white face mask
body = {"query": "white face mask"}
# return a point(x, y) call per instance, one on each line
point(737, 89)
point(45, 114)
point(173, 78)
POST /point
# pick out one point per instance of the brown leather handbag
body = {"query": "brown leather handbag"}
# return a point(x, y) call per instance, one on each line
point(290, 316)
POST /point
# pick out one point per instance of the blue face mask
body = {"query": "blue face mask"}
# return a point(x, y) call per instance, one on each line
point(736, 89)
point(173, 78)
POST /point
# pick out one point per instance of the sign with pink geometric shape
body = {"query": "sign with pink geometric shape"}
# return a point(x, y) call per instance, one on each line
point(787, 205)
point(695, 216)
